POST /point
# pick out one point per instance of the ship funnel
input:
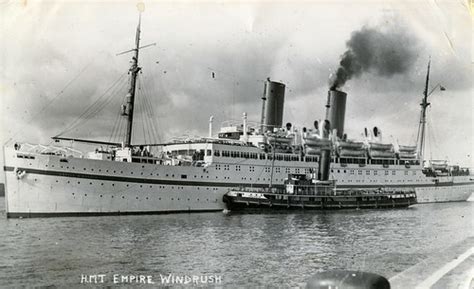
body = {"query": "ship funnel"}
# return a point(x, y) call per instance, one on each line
point(336, 110)
point(325, 158)
point(273, 103)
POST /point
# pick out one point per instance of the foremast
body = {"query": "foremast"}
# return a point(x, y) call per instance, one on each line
point(134, 69)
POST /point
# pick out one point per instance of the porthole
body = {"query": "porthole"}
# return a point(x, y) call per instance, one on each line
point(146, 198)
point(121, 172)
point(85, 195)
point(172, 199)
point(141, 186)
point(123, 197)
point(90, 183)
point(159, 199)
point(137, 198)
point(131, 173)
point(101, 184)
point(127, 185)
point(68, 182)
point(101, 196)
point(141, 173)
point(84, 168)
point(92, 170)
point(113, 185)
point(143, 167)
point(114, 172)
point(73, 194)
point(78, 183)
point(112, 197)
point(57, 181)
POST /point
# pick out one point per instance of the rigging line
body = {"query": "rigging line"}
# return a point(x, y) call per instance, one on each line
point(142, 116)
point(118, 122)
point(147, 111)
point(155, 91)
point(152, 116)
point(91, 106)
point(118, 134)
point(61, 92)
point(99, 107)
point(142, 109)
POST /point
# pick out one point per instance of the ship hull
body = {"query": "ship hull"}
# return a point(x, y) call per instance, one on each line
point(45, 185)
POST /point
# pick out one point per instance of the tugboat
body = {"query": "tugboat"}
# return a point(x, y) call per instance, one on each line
point(318, 192)
point(302, 192)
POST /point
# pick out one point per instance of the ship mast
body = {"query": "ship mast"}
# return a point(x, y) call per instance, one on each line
point(134, 69)
point(424, 104)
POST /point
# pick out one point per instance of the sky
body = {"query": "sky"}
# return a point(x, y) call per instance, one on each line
point(59, 60)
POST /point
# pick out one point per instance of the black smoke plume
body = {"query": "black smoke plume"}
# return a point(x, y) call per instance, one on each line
point(384, 53)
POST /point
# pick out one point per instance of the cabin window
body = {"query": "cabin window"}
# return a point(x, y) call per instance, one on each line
point(63, 160)
point(262, 156)
point(367, 172)
point(217, 153)
point(184, 176)
point(208, 152)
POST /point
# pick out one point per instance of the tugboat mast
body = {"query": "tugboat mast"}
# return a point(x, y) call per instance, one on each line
point(421, 129)
point(134, 69)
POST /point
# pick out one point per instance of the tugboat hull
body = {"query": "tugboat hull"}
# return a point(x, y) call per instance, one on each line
point(241, 200)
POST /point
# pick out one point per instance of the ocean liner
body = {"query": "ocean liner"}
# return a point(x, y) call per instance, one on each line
point(193, 174)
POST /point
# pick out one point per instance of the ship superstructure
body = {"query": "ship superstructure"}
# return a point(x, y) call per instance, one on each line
point(194, 173)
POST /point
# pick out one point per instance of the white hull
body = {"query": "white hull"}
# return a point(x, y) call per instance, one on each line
point(54, 185)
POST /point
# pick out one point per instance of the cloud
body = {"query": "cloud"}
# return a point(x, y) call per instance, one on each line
point(242, 44)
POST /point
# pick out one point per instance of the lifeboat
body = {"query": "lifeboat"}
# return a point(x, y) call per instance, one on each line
point(380, 146)
point(351, 153)
point(317, 142)
point(313, 151)
point(350, 145)
point(404, 155)
point(381, 154)
point(407, 149)
point(279, 140)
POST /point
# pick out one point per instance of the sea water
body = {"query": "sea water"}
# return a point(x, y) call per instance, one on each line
point(225, 250)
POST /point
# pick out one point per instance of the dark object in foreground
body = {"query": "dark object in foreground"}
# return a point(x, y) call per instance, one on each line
point(347, 280)
point(300, 192)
